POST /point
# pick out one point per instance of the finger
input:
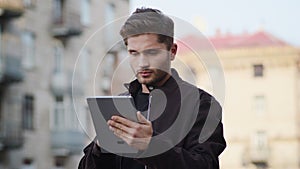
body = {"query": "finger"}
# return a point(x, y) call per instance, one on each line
point(120, 133)
point(117, 125)
point(122, 127)
point(123, 121)
point(116, 131)
point(126, 137)
point(130, 132)
point(141, 118)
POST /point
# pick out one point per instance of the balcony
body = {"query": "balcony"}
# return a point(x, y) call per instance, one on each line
point(67, 137)
point(62, 83)
point(11, 8)
point(67, 142)
point(11, 70)
point(10, 61)
point(59, 83)
point(259, 155)
point(67, 25)
point(11, 135)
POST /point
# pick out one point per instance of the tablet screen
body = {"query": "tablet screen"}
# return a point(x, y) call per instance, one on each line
point(102, 108)
point(114, 105)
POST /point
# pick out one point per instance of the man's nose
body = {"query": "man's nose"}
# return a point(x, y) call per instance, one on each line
point(144, 61)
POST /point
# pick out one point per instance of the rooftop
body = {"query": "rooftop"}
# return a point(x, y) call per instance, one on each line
point(229, 41)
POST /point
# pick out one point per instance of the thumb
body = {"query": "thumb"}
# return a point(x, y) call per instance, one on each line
point(141, 118)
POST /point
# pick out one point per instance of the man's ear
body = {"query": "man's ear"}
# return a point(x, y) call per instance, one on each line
point(173, 51)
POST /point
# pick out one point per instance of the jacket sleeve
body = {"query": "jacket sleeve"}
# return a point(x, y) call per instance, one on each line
point(94, 159)
point(197, 151)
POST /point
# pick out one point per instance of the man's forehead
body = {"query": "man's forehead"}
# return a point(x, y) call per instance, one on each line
point(143, 41)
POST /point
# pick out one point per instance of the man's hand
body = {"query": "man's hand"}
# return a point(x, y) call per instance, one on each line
point(137, 135)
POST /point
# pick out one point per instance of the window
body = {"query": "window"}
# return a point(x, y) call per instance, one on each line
point(28, 40)
point(58, 52)
point(64, 116)
point(258, 70)
point(1, 59)
point(259, 104)
point(59, 162)
point(109, 12)
point(1, 112)
point(85, 12)
point(260, 150)
point(28, 163)
point(109, 64)
point(84, 63)
point(71, 117)
point(110, 33)
point(29, 3)
point(260, 140)
point(59, 113)
point(28, 112)
point(58, 6)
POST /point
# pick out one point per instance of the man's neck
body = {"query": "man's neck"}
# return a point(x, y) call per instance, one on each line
point(145, 89)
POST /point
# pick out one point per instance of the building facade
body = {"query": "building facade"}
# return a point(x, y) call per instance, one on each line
point(261, 109)
point(53, 54)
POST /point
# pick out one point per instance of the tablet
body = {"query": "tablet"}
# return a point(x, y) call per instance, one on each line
point(102, 108)
point(115, 105)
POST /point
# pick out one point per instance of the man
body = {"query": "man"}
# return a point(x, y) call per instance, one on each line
point(170, 132)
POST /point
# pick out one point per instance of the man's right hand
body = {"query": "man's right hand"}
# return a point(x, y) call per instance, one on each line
point(137, 135)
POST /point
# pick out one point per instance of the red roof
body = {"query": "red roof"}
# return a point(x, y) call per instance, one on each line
point(257, 39)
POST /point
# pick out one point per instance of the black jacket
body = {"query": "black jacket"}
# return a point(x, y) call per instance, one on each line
point(188, 132)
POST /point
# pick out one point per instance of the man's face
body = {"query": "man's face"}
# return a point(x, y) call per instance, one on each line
point(149, 59)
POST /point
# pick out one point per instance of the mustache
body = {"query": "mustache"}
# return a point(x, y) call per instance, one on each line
point(144, 70)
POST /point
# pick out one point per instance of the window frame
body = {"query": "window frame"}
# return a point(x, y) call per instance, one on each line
point(258, 70)
point(29, 48)
point(28, 107)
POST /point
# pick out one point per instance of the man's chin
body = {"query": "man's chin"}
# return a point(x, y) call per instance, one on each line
point(145, 81)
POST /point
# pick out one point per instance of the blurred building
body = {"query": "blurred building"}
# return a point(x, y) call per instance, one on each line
point(50, 60)
point(262, 104)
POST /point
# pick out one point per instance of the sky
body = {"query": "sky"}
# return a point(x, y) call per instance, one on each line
point(281, 18)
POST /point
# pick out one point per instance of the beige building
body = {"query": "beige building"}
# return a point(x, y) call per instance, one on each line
point(53, 53)
point(262, 97)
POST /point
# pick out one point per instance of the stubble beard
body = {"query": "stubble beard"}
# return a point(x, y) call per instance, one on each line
point(156, 78)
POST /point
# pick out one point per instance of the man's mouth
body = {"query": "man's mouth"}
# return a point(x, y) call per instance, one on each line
point(145, 73)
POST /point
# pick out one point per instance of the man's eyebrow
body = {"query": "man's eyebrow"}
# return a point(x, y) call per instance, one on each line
point(146, 50)
point(132, 50)
point(151, 49)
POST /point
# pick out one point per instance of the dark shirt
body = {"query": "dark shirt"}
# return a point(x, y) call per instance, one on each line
point(141, 101)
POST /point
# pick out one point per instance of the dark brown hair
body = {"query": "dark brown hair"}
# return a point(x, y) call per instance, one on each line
point(148, 20)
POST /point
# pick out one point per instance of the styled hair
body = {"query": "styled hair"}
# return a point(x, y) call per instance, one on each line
point(148, 20)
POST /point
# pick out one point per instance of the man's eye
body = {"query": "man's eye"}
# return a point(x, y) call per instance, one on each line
point(134, 53)
point(152, 52)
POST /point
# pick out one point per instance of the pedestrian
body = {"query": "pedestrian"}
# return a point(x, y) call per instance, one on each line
point(171, 113)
